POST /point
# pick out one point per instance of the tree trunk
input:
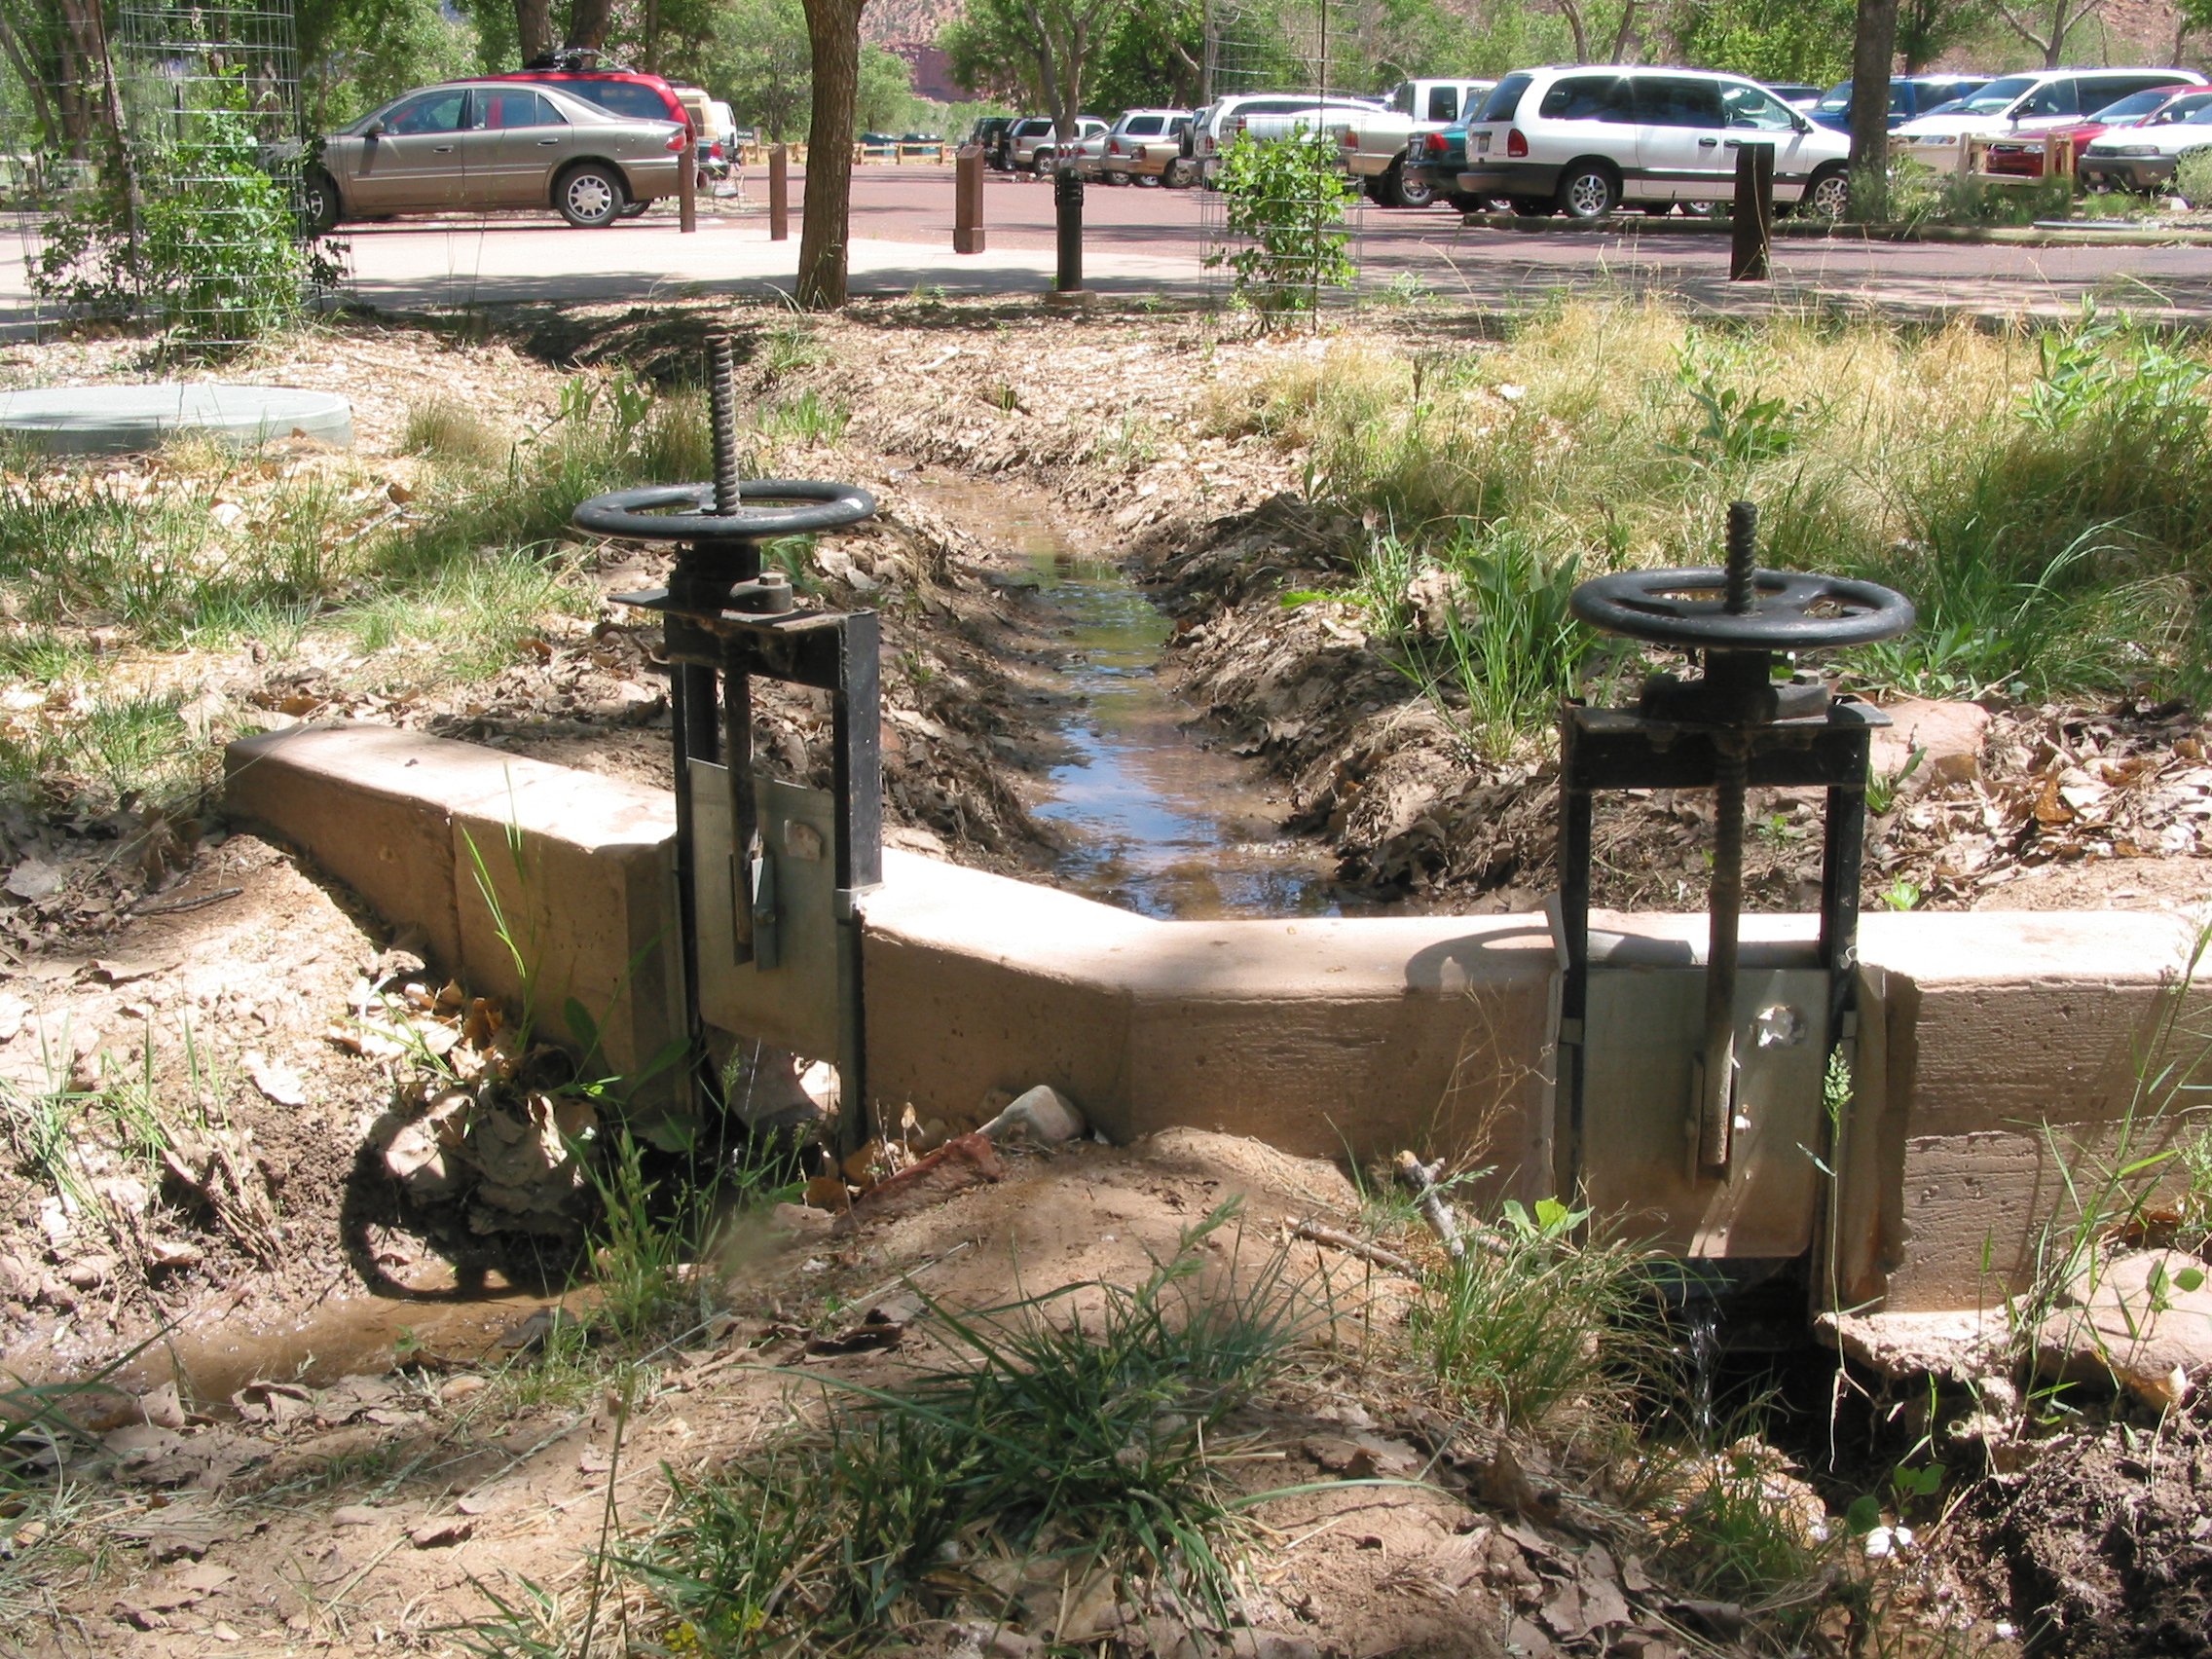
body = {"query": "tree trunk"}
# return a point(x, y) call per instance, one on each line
point(588, 24)
point(1626, 32)
point(833, 31)
point(1873, 47)
point(1572, 10)
point(534, 28)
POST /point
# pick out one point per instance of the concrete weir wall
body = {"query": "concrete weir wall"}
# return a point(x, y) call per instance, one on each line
point(1994, 1048)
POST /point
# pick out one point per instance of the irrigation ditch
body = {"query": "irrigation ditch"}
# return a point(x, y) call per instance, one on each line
point(1136, 648)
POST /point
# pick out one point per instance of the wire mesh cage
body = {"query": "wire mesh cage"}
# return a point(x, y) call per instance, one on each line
point(1279, 219)
point(179, 205)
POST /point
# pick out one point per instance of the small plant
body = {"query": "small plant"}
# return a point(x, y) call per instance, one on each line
point(1737, 427)
point(1901, 895)
point(203, 238)
point(449, 430)
point(1882, 787)
point(806, 419)
point(2192, 176)
point(1287, 196)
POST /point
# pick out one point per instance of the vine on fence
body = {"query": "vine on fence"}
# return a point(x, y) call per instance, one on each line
point(203, 238)
point(1288, 195)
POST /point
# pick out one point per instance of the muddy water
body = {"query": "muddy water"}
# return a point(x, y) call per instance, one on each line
point(1152, 817)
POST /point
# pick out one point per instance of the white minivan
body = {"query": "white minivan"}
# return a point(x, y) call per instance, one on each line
point(1582, 140)
point(2013, 104)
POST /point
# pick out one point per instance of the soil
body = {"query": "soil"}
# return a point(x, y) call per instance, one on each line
point(259, 1249)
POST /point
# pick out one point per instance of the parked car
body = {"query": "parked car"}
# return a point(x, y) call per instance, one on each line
point(1264, 115)
point(989, 133)
point(1119, 155)
point(2015, 104)
point(1034, 145)
point(1910, 98)
point(1162, 161)
point(1377, 148)
point(2143, 158)
point(2025, 159)
point(1796, 93)
point(1582, 141)
point(493, 145)
point(616, 89)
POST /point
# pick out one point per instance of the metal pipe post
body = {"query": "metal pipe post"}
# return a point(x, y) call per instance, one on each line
point(968, 201)
point(779, 193)
point(1067, 208)
point(1717, 1104)
point(687, 188)
point(1754, 213)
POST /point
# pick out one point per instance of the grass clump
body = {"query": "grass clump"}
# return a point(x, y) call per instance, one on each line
point(1077, 1433)
point(2042, 494)
point(1531, 1326)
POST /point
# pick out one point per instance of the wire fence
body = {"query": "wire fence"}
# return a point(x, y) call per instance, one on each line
point(1289, 234)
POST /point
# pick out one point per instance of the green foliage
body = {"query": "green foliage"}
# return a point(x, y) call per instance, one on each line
point(1772, 40)
point(1083, 1438)
point(1535, 1324)
point(1732, 1541)
point(204, 240)
point(759, 59)
point(1287, 196)
point(355, 55)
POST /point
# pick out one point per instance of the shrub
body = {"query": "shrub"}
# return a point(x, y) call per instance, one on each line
point(1288, 195)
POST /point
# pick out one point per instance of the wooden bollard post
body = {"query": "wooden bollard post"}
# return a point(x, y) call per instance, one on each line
point(968, 201)
point(687, 189)
point(1754, 213)
point(779, 193)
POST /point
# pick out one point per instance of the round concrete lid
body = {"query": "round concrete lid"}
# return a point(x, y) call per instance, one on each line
point(112, 419)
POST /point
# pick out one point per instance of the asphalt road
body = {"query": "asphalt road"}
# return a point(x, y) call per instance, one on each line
point(1141, 241)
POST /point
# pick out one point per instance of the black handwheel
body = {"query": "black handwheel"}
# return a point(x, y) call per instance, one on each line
point(802, 506)
point(1790, 611)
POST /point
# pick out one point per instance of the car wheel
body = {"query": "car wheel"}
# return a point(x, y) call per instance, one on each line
point(1404, 191)
point(1179, 175)
point(1120, 180)
point(319, 206)
point(1588, 189)
point(635, 210)
point(1530, 207)
point(590, 196)
point(1829, 195)
point(1041, 163)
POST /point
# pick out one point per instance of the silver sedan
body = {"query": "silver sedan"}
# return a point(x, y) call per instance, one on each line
point(492, 145)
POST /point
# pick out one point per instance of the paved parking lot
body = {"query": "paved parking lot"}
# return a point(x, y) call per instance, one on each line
point(1150, 240)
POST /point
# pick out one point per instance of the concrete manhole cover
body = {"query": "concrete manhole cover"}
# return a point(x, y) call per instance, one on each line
point(113, 419)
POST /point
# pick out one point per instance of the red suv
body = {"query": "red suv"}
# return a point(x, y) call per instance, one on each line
point(619, 91)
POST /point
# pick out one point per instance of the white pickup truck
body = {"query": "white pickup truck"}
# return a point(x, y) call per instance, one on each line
point(1375, 145)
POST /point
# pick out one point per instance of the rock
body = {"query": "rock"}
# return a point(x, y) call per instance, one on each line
point(356, 1515)
point(1951, 733)
point(2143, 1319)
point(161, 1407)
point(90, 1272)
point(443, 1532)
point(965, 1162)
point(801, 1220)
point(282, 1084)
point(1957, 1345)
point(1042, 1114)
point(172, 1253)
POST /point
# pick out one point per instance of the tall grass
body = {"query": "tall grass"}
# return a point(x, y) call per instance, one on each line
point(448, 589)
point(2044, 494)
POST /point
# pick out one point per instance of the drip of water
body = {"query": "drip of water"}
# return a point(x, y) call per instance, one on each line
point(1704, 1333)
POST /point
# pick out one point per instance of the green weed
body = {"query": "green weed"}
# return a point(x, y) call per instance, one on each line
point(449, 430)
point(1081, 1427)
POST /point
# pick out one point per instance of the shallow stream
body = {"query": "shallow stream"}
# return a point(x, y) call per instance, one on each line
point(1152, 816)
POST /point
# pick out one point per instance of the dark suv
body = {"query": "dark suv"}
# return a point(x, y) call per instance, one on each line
point(1911, 97)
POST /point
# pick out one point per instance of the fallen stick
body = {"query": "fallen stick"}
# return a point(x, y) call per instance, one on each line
point(1421, 1179)
point(1315, 1233)
point(215, 897)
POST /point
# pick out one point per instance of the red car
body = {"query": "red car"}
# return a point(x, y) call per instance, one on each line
point(2023, 158)
point(618, 90)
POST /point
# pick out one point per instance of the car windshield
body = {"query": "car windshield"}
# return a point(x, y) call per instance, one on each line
point(1141, 125)
point(2200, 115)
point(2134, 105)
point(1836, 98)
point(1995, 98)
point(2182, 109)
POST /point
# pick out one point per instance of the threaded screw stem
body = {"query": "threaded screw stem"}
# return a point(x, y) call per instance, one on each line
point(1743, 554)
point(721, 412)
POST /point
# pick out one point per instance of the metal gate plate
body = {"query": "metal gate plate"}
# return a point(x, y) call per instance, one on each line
point(794, 1003)
point(1644, 1031)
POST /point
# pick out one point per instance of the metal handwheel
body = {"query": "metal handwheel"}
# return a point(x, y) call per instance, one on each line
point(1787, 610)
point(637, 515)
